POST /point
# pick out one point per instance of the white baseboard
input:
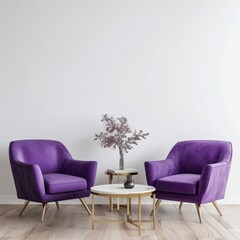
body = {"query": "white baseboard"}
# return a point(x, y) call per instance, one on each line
point(103, 200)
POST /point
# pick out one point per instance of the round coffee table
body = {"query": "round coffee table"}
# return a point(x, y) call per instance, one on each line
point(118, 190)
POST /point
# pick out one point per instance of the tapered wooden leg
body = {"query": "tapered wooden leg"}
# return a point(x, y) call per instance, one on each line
point(156, 205)
point(24, 207)
point(43, 211)
point(216, 206)
point(180, 205)
point(85, 205)
point(57, 205)
point(198, 207)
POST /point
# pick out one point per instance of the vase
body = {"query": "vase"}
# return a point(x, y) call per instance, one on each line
point(121, 160)
point(129, 183)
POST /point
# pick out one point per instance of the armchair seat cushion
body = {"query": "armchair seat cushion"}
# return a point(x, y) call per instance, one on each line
point(59, 183)
point(180, 183)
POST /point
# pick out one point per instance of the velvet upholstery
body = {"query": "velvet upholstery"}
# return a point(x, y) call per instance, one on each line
point(180, 183)
point(44, 171)
point(58, 183)
point(194, 171)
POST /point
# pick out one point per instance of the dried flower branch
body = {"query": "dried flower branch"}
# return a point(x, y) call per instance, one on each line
point(119, 135)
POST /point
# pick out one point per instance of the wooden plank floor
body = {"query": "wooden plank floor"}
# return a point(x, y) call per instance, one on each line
point(73, 222)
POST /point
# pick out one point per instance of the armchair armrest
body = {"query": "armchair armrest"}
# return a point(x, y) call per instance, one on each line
point(29, 181)
point(213, 181)
point(158, 169)
point(80, 168)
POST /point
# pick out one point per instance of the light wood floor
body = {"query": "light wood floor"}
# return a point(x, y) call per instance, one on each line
point(73, 222)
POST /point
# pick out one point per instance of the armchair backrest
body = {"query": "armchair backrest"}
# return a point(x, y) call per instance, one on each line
point(48, 154)
point(192, 156)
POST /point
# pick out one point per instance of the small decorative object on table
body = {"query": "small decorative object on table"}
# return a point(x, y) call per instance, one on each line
point(129, 183)
point(119, 135)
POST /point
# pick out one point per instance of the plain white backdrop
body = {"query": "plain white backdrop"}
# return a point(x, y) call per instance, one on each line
point(171, 67)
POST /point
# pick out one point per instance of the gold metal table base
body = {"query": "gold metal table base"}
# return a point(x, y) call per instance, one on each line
point(137, 223)
point(110, 180)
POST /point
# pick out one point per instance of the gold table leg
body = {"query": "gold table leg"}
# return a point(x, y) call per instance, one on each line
point(110, 177)
point(139, 214)
point(128, 210)
point(92, 211)
point(154, 211)
point(118, 207)
point(130, 206)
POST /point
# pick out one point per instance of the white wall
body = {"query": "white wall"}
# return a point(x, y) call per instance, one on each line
point(171, 67)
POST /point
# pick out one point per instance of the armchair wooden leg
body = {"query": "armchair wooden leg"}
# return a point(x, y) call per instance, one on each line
point(57, 205)
point(24, 207)
point(43, 211)
point(216, 206)
point(198, 207)
point(156, 206)
point(85, 205)
point(180, 205)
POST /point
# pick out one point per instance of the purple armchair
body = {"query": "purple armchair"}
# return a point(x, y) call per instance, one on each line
point(44, 171)
point(194, 172)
